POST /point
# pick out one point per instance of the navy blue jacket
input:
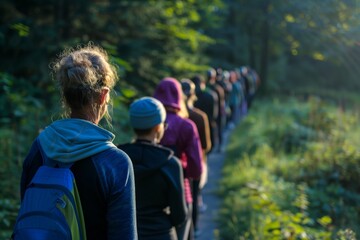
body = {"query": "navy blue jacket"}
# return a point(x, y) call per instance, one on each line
point(160, 201)
point(103, 174)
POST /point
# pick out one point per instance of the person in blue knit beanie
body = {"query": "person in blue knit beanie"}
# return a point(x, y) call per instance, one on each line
point(160, 201)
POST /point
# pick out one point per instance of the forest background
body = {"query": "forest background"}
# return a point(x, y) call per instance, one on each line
point(299, 48)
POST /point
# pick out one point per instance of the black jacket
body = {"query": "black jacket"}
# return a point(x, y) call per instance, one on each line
point(160, 202)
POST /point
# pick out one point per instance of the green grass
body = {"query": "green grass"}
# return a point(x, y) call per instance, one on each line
point(290, 173)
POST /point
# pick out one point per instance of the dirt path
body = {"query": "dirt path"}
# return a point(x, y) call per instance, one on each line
point(207, 220)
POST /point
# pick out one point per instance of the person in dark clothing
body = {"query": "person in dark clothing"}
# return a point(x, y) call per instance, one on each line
point(160, 198)
point(103, 173)
point(235, 99)
point(201, 121)
point(246, 81)
point(213, 85)
point(207, 101)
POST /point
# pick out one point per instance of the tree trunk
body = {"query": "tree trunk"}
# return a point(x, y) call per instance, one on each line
point(62, 18)
point(250, 33)
point(265, 48)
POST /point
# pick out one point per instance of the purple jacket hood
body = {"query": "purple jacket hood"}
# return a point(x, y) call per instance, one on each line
point(169, 92)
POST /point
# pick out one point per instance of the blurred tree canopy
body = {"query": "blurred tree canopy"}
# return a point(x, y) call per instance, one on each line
point(294, 45)
point(291, 43)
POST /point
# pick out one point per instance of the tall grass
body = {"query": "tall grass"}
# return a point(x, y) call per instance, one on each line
point(291, 173)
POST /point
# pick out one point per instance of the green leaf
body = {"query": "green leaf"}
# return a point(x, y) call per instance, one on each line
point(325, 221)
point(128, 93)
point(21, 28)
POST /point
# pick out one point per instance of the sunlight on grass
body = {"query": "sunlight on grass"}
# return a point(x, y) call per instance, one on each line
point(290, 170)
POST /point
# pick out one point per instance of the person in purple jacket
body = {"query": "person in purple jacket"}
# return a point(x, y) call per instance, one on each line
point(183, 138)
point(103, 173)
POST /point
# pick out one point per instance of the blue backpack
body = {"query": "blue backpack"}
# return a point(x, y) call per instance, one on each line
point(51, 208)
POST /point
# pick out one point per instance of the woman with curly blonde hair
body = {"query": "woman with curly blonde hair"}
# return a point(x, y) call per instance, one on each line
point(103, 173)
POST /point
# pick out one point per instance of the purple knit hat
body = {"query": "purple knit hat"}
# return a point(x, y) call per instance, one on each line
point(169, 92)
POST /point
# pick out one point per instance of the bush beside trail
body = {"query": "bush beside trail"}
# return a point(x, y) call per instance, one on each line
point(291, 173)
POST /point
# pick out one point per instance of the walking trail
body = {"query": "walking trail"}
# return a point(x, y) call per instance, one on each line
point(207, 220)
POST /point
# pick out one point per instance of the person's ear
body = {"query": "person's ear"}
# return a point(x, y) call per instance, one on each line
point(104, 95)
point(158, 133)
point(157, 128)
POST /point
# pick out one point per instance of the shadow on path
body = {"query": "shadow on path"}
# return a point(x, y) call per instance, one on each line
point(207, 220)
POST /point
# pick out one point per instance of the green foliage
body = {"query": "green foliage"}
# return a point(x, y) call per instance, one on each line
point(8, 213)
point(321, 42)
point(291, 172)
point(300, 45)
point(293, 43)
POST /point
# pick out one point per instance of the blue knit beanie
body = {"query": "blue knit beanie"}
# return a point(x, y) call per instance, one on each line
point(146, 112)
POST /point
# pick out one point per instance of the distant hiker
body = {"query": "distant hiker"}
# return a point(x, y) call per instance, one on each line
point(160, 199)
point(103, 173)
point(243, 105)
point(212, 83)
point(181, 136)
point(201, 121)
point(207, 101)
point(256, 81)
point(235, 99)
point(225, 83)
point(248, 85)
